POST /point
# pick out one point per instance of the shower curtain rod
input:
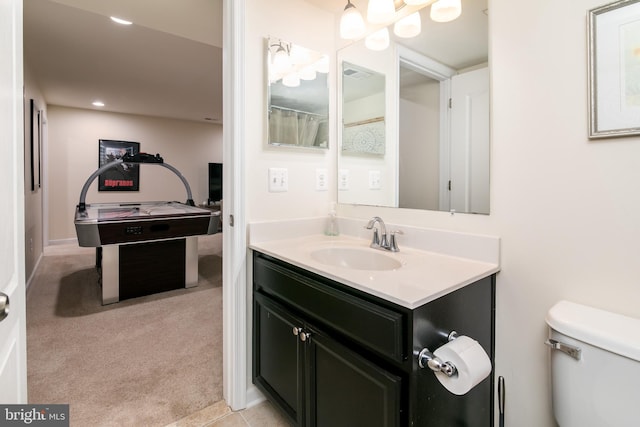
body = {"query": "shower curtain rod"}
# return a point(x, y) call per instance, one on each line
point(298, 111)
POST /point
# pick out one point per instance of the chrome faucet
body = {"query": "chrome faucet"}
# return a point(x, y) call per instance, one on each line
point(382, 240)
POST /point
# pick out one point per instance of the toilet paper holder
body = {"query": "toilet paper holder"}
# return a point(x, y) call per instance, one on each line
point(427, 359)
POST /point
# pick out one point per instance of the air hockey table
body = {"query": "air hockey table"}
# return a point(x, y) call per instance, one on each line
point(146, 247)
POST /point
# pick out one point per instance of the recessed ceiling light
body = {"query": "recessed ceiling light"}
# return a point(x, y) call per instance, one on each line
point(121, 21)
point(98, 104)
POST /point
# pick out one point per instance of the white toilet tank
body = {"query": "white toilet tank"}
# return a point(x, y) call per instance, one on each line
point(602, 387)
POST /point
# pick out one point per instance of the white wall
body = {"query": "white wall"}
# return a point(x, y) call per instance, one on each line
point(566, 208)
point(313, 28)
point(33, 221)
point(73, 157)
point(419, 146)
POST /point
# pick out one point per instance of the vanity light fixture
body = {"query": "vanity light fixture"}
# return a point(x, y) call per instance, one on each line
point(281, 59)
point(290, 63)
point(120, 21)
point(445, 10)
point(378, 40)
point(409, 26)
point(380, 11)
point(351, 22)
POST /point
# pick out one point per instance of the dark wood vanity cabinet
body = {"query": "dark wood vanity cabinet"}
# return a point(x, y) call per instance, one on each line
point(328, 355)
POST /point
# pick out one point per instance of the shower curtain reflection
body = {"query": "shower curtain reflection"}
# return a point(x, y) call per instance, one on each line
point(298, 128)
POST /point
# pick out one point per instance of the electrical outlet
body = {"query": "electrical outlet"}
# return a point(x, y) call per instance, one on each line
point(343, 179)
point(322, 183)
point(374, 180)
point(278, 180)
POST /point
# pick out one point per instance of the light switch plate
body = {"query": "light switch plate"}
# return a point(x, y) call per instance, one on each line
point(322, 183)
point(278, 180)
point(343, 179)
point(374, 180)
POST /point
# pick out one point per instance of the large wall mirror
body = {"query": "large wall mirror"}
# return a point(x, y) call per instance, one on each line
point(427, 146)
point(297, 95)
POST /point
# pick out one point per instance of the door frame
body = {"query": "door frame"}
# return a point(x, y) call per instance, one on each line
point(234, 261)
point(442, 73)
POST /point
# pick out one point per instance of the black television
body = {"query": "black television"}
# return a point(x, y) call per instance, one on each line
point(215, 182)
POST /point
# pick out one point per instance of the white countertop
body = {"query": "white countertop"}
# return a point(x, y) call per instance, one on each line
point(423, 277)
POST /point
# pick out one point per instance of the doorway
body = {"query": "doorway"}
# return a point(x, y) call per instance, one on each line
point(79, 56)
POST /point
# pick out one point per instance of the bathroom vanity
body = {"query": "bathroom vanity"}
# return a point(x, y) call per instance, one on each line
point(331, 351)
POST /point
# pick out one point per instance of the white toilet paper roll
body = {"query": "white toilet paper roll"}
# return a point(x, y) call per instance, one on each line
point(471, 361)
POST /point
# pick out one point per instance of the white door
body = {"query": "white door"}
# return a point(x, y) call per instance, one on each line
point(470, 141)
point(13, 358)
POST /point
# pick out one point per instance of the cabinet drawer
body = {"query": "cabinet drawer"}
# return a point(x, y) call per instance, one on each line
point(376, 327)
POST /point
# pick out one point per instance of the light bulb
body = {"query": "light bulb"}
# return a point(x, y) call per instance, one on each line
point(281, 60)
point(378, 40)
point(291, 80)
point(445, 10)
point(307, 73)
point(380, 11)
point(416, 2)
point(409, 26)
point(120, 20)
point(351, 23)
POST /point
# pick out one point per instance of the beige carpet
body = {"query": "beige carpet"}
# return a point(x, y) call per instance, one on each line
point(147, 361)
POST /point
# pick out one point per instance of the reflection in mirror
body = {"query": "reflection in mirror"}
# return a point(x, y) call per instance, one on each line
point(443, 136)
point(363, 108)
point(363, 142)
point(367, 152)
point(437, 122)
point(297, 95)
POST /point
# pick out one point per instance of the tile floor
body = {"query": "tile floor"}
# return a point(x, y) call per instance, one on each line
point(220, 415)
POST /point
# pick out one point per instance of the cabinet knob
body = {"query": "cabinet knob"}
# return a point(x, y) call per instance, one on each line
point(296, 330)
point(304, 336)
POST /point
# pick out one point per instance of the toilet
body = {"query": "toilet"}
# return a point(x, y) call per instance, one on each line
point(595, 366)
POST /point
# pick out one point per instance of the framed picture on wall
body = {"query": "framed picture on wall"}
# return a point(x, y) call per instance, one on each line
point(614, 69)
point(364, 137)
point(122, 176)
point(35, 144)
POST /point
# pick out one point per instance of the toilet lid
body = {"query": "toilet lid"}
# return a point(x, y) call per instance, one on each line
point(610, 331)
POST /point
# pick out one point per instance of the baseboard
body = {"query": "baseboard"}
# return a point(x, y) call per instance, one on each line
point(254, 396)
point(33, 272)
point(63, 242)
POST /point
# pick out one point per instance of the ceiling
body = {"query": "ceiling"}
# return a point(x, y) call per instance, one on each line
point(169, 62)
point(458, 44)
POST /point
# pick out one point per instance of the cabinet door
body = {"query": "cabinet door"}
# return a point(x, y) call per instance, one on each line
point(277, 357)
point(347, 390)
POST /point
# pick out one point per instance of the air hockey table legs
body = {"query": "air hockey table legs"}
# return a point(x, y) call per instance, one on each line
point(144, 268)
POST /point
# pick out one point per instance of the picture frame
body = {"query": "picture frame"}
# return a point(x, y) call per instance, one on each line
point(614, 69)
point(35, 144)
point(124, 176)
point(364, 137)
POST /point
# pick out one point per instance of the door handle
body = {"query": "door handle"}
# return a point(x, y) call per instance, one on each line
point(4, 306)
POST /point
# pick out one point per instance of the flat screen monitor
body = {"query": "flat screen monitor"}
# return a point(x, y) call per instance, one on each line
point(215, 182)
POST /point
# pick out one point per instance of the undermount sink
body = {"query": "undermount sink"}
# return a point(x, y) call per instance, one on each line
point(355, 258)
